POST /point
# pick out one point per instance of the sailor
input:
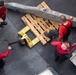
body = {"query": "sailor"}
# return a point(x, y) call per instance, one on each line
point(2, 56)
point(3, 11)
point(65, 28)
point(62, 49)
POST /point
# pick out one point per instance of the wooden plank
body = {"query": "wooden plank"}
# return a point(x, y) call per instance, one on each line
point(50, 24)
point(55, 24)
point(37, 19)
point(43, 23)
point(45, 5)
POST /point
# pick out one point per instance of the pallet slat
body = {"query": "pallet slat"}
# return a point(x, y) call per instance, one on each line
point(45, 5)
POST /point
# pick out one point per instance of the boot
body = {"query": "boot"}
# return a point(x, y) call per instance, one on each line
point(4, 23)
point(48, 35)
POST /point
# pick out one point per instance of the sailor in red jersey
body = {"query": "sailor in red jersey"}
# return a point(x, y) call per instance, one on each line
point(4, 56)
point(62, 49)
point(3, 11)
point(65, 28)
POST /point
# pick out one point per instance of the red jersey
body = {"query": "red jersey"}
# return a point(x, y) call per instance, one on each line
point(5, 54)
point(62, 32)
point(3, 10)
point(68, 23)
point(59, 49)
point(63, 29)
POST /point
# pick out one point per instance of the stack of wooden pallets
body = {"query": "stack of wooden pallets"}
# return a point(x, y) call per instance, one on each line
point(39, 25)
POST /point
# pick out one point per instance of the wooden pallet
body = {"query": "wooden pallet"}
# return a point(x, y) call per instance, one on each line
point(39, 25)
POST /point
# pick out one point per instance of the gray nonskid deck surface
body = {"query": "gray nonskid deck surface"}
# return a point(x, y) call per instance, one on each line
point(26, 61)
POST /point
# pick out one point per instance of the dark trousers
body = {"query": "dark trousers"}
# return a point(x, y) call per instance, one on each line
point(4, 17)
point(60, 57)
point(65, 38)
point(3, 23)
point(2, 63)
point(51, 34)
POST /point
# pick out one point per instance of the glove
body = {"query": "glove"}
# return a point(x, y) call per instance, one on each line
point(71, 17)
point(9, 47)
point(73, 44)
